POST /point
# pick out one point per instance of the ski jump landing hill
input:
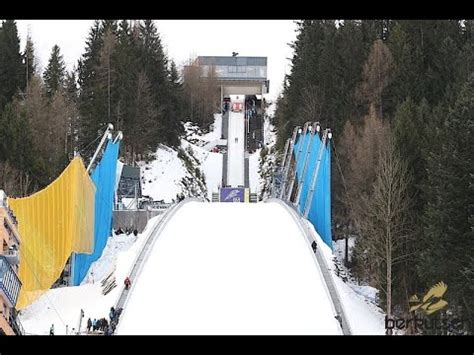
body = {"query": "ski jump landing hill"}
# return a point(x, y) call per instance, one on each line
point(206, 271)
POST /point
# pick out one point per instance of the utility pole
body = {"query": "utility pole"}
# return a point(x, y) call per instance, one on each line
point(110, 127)
point(136, 196)
point(307, 153)
point(301, 133)
point(27, 72)
point(108, 73)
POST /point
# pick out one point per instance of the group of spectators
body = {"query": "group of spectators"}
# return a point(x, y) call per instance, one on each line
point(251, 109)
point(103, 326)
point(128, 231)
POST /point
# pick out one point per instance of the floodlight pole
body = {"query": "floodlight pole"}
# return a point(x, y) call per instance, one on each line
point(110, 127)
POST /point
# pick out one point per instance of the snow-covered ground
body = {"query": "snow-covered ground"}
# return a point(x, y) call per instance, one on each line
point(162, 177)
point(268, 128)
point(230, 269)
point(211, 165)
point(267, 164)
point(254, 176)
point(235, 149)
point(62, 306)
point(197, 137)
point(364, 317)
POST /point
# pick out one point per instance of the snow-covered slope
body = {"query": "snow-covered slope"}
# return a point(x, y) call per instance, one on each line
point(254, 176)
point(193, 171)
point(267, 158)
point(210, 164)
point(161, 177)
point(195, 136)
point(230, 269)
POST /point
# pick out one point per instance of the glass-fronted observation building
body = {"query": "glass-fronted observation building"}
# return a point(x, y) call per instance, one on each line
point(237, 75)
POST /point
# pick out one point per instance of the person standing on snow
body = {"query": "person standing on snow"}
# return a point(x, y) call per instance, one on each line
point(127, 283)
point(51, 330)
point(89, 325)
point(112, 313)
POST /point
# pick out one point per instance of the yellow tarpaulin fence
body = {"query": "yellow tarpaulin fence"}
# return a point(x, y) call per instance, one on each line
point(53, 223)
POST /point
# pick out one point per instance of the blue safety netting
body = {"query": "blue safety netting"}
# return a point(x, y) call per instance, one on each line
point(103, 176)
point(320, 211)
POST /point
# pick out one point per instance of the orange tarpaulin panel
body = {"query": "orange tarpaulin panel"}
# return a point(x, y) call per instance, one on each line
point(53, 223)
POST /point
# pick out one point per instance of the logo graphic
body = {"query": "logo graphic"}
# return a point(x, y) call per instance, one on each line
point(432, 300)
point(232, 194)
point(229, 194)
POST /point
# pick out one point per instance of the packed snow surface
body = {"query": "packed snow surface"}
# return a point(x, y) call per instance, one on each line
point(225, 271)
point(236, 148)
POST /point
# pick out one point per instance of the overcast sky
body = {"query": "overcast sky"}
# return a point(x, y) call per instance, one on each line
point(181, 39)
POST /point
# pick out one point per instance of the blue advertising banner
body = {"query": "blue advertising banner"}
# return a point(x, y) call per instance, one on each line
point(232, 194)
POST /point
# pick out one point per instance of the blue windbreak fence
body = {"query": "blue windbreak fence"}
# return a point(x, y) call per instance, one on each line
point(103, 177)
point(320, 211)
point(311, 157)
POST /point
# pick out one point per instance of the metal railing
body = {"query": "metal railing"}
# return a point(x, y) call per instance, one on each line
point(10, 284)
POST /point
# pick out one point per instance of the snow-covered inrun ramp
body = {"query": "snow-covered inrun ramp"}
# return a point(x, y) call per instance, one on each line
point(223, 269)
point(235, 149)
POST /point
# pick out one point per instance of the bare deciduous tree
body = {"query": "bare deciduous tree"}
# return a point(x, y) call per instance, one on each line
point(313, 100)
point(383, 220)
point(201, 92)
point(376, 75)
point(13, 181)
point(49, 122)
point(363, 145)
